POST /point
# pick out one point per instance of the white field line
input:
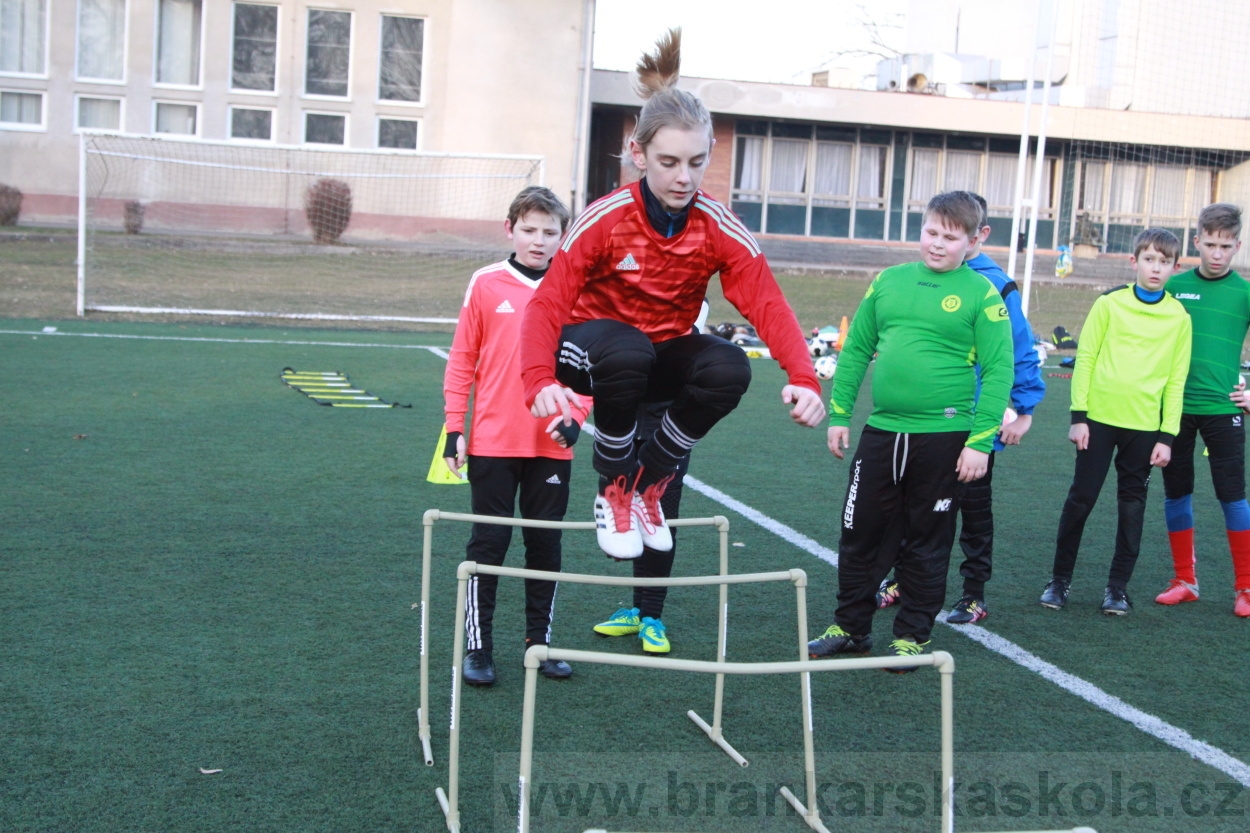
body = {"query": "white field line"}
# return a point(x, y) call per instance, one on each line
point(776, 527)
point(1171, 735)
point(438, 351)
point(1156, 727)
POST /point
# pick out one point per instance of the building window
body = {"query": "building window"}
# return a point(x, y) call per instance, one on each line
point(178, 42)
point(397, 133)
point(963, 171)
point(248, 123)
point(749, 170)
point(23, 27)
point(101, 39)
point(254, 65)
point(181, 119)
point(833, 174)
point(21, 111)
point(329, 53)
point(99, 113)
point(872, 176)
point(325, 129)
point(400, 65)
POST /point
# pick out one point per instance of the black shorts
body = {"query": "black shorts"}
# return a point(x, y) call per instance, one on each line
point(1225, 439)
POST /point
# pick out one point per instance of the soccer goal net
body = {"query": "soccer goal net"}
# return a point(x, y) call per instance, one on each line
point(1158, 120)
point(232, 230)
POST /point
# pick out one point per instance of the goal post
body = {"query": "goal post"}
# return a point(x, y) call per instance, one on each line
point(231, 229)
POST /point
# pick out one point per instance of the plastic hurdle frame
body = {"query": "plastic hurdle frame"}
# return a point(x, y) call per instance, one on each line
point(450, 800)
point(431, 515)
point(942, 661)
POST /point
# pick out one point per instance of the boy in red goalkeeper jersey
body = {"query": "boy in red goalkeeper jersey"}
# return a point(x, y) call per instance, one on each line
point(614, 315)
point(511, 453)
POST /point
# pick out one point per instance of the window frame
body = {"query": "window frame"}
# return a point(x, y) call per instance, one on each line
point(28, 127)
point(273, 125)
point(377, 133)
point(347, 127)
point(277, 63)
point(121, 111)
point(199, 117)
point(425, 40)
point(351, 52)
point(47, 45)
point(88, 79)
point(156, 50)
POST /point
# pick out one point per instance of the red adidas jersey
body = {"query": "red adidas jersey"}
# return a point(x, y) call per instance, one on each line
point(614, 265)
point(484, 358)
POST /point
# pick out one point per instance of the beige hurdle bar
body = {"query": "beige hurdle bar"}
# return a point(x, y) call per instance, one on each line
point(942, 661)
point(720, 522)
point(1065, 830)
point(450, 800)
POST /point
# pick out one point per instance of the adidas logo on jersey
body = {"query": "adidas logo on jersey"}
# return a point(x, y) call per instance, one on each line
point(505, 307)
point(554, 480)
point(628, 264)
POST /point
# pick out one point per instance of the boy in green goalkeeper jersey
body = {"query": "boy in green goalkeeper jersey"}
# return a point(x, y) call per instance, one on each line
point(1126, 403)
point(1218, 302)
point(929, 324)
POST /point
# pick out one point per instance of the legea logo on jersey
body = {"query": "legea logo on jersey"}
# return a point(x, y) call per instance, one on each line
point(505, 307)
point(628, 264)
point(1189, 296)
point(951, 303)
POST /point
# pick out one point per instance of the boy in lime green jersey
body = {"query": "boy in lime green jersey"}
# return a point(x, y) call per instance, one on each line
point(1126, 403)
point(1218, 302)
point(930, 324)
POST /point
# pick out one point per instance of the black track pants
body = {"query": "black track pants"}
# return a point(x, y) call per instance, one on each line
point(1131, 450)
point(908, 479)
point(543, 485)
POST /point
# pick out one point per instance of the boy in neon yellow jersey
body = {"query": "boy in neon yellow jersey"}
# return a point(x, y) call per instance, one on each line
point(930, 324)
point(1218, 302)
point(1127, 392)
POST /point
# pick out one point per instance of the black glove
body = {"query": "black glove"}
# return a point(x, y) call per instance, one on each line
point(449, 449)
point(570, 432)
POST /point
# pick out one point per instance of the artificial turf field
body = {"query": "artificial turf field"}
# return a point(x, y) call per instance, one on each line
point(204, 570)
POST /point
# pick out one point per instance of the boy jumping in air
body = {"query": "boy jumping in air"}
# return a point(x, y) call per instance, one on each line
point(1218, 302)
point(930, 324)
point(1126, 402)
point(508, 449)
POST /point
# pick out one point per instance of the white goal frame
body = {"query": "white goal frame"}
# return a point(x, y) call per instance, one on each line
point(87, 135)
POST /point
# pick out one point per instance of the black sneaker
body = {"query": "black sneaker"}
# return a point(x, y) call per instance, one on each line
point(478, 668)
point(836, 641)
point(1055, 596)
point(967, 610)
point(555, 669)
point(1115, 602)
point(905, 646)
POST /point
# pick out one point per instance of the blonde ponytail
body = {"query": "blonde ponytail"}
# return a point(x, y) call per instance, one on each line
point(655, 81)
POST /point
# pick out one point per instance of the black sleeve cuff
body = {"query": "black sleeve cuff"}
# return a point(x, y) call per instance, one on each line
point(1165, 438)
point(1080, 416)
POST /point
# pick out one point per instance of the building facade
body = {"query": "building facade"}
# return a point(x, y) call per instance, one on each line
point(452, 76)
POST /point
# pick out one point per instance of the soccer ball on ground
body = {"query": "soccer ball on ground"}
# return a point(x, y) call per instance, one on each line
point(826, 366)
